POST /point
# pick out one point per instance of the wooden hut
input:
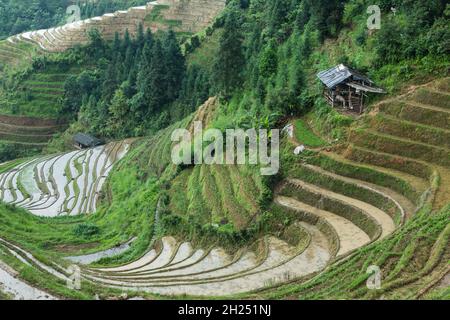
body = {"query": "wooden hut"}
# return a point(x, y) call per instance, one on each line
point(347, 88)
point(84, 141)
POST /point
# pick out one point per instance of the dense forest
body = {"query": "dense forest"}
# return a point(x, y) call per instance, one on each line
point(130, 84)
point(259, 57)
point(20, 16)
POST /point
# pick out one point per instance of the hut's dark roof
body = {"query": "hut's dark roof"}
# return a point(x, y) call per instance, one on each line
point(87, 140)
point(336, 75)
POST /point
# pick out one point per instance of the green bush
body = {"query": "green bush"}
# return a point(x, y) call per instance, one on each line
point(86, 230)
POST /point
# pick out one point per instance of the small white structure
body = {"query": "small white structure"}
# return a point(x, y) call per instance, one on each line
point(289, 130)
point(299, 149)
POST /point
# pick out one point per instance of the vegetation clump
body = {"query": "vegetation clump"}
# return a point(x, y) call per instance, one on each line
point(86, 230)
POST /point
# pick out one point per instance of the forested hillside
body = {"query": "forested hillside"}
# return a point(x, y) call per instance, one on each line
point(260, 56)
point(365, 190)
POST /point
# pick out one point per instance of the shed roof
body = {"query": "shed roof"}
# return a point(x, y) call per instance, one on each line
point(87, 140)
point(364, 88)
point(339, 74)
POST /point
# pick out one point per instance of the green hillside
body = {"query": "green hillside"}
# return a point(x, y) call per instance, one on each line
point(369, 190)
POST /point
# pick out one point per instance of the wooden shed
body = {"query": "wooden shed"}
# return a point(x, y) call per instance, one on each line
point(83, 141)
point(347, 88)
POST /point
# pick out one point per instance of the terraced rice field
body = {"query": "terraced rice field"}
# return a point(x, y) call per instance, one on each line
point(177, 268)
point(15, 54)
point(218, 194)
point(341, 203)
point(39, 95)
point(17, 289)
point(67, 184)
point(28, 131)
point(334, 214)
point(338, 204)
point(409, 135)
point(331, 224)
point(72, 34)
point(340, 212)
point(191, 16)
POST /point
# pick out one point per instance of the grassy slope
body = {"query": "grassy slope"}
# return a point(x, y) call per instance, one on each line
point(134, 188)
point(304, 135)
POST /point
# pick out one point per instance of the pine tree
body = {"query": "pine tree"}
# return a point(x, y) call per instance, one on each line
point(122, 73)
point(129, 86)
point(302, 17)
point(156, 84)
point(126, 41)
point(119, 115)
point(268, 61)
point(306, 44)
point(116, 43)
point(71, 96)
point(144, 70)
point(129, 59)
point(230, 60)
point(97, 46)
point(175, 65)
point(151, 84)
point(140, 39)
point(110, 81)
point(277, 16)
point(148, 37)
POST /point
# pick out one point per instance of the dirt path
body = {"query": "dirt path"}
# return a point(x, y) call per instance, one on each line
point(350, 236)
point(204, 114)
point(411, 89)
point(383, 219)
point(444, 281)
point(426, 106)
